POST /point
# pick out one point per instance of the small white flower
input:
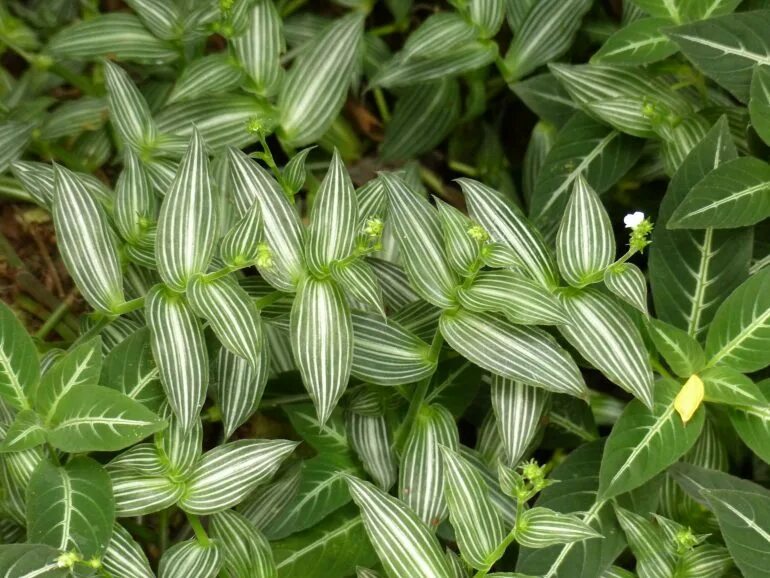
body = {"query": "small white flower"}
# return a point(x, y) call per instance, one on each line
point(633, 220)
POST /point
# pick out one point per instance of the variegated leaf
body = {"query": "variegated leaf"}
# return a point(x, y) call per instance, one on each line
point(129, 112)
point(179, 448)
point(371, 441)
point(260, 47)
point(239, 386)
point(264, 506)
point(360, 283)
point(160, 17)
point(462, 250)
point(213, 73)
point(518, 408)
point(241, 244)
point(628, 282)
point(245, 550)
point(19, 366)
point(123, 557)
point(135, 204)
point(542, 527)
point(190, 559)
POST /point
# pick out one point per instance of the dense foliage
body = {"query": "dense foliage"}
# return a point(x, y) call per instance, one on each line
point(362, 297)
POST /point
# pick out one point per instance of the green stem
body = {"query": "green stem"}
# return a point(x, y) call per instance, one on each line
point(268, 157)
point(435, 346)
point(224, 272)
point(269, 299)
point(382, 105)
point(54, 455)
point(53, 320)
point(283, 400)
point(93, 331)
point(463, 168)
point(507, 541)
point(658, 366)
point(200, 532)
point(414, 406)
point(129, 306)
point(163, 530)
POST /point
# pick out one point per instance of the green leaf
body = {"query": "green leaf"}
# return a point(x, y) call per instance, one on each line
point(726, 48)
point(371, 440)
point(644, 442)
point(212, 73)
point(139, 494)
point(30, 560)
point(14, 138)
point(259, 49)
point(25, 432)
point(640, 42)
point(729, 387)
point(93, 418)
point(655, 554)
point(628, 282)
point(135, 204)
point(359, 281)
point(540, 528)
point(130, 368)
point(178, 449)
point(521, 353)
point(478, 526)
point(421, 473)
point(86, 242)
point(405, 545)
point(585, 244)
point(308, 108)
point(462, 250)
point(335, 547)
point(682, 353)
point(229, 472)
point(179, 350)
point(518, 408)
point(246, 552)
point(71, 507)
point(418, 231)
point(294, 174)
point(333, 219)
point(740, 332)
point(607, 337)
point(19, 368)
point(124, 558)
point(545, 96)
point(326, 438)
point(187, 221)
point(159, 17)
point(242, 243)
point(759, 103)
point(79, 366)
point(129, 112)
point(74, 117)
point(743, 519)
point(239, 387)
point(191, 558)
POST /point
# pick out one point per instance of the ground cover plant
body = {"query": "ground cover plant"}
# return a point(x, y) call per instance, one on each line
point(443, 290)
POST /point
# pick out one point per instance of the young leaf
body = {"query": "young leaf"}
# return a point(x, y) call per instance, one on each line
point(242, 243)
point(134, 201)
point(123, 557)
point(541, 528)
point(645, 441)
point(585, 244)
point(70, 507)
point(129, 112)
point(178, 449)
point(627, 281)
point(519, 409)
point(19, 368)
point(462, 250)
point(187, 221)
point(404, 544)
point(161, 18)
point(191, 558)
point(246, 552)
point(682, 352)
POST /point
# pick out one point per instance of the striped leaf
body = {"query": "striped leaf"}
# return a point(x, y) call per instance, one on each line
point(546, 33)
point(86, 243)
point(294, 174)
point(505, 505)
point(179, 449)
point(129, 112)
point(521, 353)
point(607, 337)
point(187, 221)
point(752, 423)
point(478, 526)
point(180, 352)
point(520, 299)
point(419, 233)
point(360, 283)
point(628, 282)
point(322, 342)
point(385, 353)
point(259, 49)
point(333, 219)
point(371, 440)
point(142, 458)
point(461, 249)
point(14, 138)
point(706, 561)
point(421, 475)
point(191, 559)
point(246, 552)
point(135, 204)
point(541, 528)
point(123, 557)
point(214, 73)
point(231, 314)
point(241, 244)
point(19, 368)
point(239, 387)
point(645, 441)
point(229, 472)
point(30, 560)
point(654, 553)
point(487, 15)
point(72, 118)
point(518, 409)
point(396, 290)
point(585, 244)
point(406, 547)
point(118, 35)
point(264, 506)
point(282, 228)
point(639, 42)
point(159, 17)
point(308, 108)
point(130, 368)
point(506, 225)
point(70, 507)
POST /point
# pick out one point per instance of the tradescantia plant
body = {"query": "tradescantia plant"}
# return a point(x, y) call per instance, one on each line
point(337, 323)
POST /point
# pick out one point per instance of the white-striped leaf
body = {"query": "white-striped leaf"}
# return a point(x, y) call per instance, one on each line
point(161, 18)
point(705, 561)
point(478, 526)
point(239, 386)
point(19, 367)
point(461, 249)
point(191, 559)
point(518, 408)
point(124, 558)
point(231, 314)
point(180, 352)
point(385, 353)
point(505, 505)
point(366, 573)
point(241, 244)
point(73, 117)
point(404, 544)
point(487, 15)
point(333, 219)
point(585, 244)
point(655, 556)
point(129, 112)
point(522, 353)
point(360, 283)
point(179, 449)
point(214, 73)
point(135, 204)
point(420, 241)
point(259, 49)
point(294, 174)
point(14, 138)
point(228, 473)
point(645, 441)
point(142, 458)
point(421, 475)
point(542, 527)
point(86, 243)
point(607, 337)
point(264, 506)
point(117, 34)
point(520, 299)
point(308, 108)
point(70, 507)
point(639, 42)
point(187, 221)
point(322, 342)
point(506, 225)
point(245, 550)
point(396, 290)
point(371, 440)
point(282, 228)
point(628, 282)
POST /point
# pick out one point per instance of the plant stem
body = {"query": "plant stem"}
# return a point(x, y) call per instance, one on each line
point(200, 532)
point(658, 366)
point(435, 346)
point(163, 530)
point(54, 318)
point(129, 306)
point(54, 455)
point(279, 401)
point(382, 105)
point(418, 396)
point(94, 330)
point(268, 299)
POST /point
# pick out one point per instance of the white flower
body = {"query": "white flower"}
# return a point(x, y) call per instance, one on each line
point(633, 220)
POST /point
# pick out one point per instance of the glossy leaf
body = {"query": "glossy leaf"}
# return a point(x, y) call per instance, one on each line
point(518, 408)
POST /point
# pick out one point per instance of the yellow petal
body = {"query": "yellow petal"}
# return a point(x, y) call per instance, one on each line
point(689, 398)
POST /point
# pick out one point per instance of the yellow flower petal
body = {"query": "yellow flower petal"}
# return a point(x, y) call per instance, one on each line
point(689, 398)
